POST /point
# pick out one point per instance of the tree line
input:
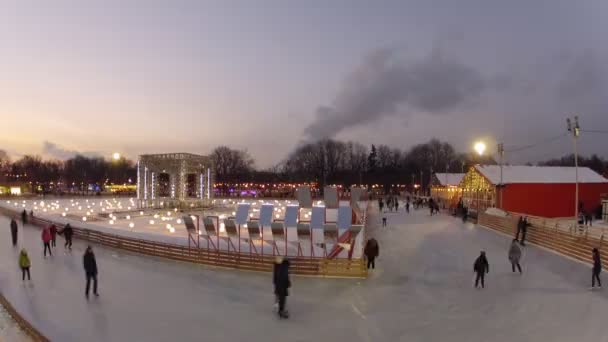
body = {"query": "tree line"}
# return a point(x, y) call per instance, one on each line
point(325, 162)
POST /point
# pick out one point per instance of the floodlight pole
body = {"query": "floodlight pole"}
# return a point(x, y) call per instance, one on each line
point(501, 153)
point(575, 130)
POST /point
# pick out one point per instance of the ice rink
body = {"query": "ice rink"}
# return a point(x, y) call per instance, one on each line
point(421, 290)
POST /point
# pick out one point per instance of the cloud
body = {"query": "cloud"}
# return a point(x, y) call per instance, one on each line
point(384, 86)
point(53, 150)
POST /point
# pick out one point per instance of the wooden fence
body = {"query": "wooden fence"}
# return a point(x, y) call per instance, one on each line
point(308, 266)
point(577, 245)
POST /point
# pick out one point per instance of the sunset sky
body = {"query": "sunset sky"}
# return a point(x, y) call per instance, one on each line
point(170, 76)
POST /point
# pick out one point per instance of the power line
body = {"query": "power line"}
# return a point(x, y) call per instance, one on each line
point(544, 141)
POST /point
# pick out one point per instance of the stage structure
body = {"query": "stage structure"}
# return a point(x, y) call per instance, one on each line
point(174, 180)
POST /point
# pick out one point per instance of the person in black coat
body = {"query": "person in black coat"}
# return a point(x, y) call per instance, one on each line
point(281, 286)
point(524, 230)
point(14, 229)
point(371, 251)
point(597, 268)
point(67, 234)
point(24, 216)
point(90, 268)
point(481, 267)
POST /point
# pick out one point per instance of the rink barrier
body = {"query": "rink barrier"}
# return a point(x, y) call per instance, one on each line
point(29, 329)
point(574, 244)
point(307, 266)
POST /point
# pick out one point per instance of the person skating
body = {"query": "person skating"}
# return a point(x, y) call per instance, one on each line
point(281, 286)
point(53, 230)
point(46, 240)
point(67, 234)
point(380, 204)
point(597, 268)
point(396, 204)
point(24, 216)
point(14, 230)
point(407, 207)
point(384, 222)
point(371, 251)
point(24, 264)
point(90, 268)
point(481, 267)
point(524, 230)
point(520, 222)
point(515, 255)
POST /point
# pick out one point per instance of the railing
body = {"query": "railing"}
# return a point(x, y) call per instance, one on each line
point(309, 266)
point(24, 324)
point(568, 242)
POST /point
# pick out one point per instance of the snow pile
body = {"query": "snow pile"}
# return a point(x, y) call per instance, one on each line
point(496, 212)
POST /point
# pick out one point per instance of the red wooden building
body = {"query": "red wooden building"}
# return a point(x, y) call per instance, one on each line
point(547, 191)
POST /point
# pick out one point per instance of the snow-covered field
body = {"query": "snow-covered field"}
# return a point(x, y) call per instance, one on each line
point(120, 216)
point(421, 290)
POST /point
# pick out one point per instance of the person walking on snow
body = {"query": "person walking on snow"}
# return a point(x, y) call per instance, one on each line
point(481, 267)
point(67, 234)
point(515, 255)
point(14, 229)
point(90, 268)
point(24, 263)
point(597, 268)
point(371, 251)
point(281, 286)
point(53, 230)
point(46, 240)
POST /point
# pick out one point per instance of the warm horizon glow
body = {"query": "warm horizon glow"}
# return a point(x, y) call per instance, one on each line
point(116, 156)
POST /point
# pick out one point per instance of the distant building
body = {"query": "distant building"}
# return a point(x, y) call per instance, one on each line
point(547, 191)
point(445, 186)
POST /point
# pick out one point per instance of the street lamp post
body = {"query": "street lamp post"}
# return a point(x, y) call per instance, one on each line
point(501, 153)
point(575, 130)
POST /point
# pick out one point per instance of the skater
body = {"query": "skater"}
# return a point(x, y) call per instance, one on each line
point(396, 204)
point(24, 216)
point(281, 286)
point(46, 240)
point(380, 204)
point(53, 230)
point(597, 268)
point(90, 268)
point(520, 223)
point(67, 234)
point(384, 222)
point(24, 263)
point(524, 230)
point(275, 274)
point(515, 255)
point(465, 214)
point(481, 267)
point(14, 229)
point(371, 251)
point(407, 207)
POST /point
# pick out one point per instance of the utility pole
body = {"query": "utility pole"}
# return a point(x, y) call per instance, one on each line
point(501, 153)
point(575, 130)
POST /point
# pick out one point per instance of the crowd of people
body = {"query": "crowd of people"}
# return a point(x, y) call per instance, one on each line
point(49, 241)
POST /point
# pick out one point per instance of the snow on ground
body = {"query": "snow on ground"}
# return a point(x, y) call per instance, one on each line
point(421, 290)
point(120, 216)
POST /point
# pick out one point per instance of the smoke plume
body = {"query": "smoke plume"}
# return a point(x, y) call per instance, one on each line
point(383, 86)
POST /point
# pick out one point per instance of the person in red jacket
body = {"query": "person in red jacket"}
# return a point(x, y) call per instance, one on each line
point(46, 240)
point(53, 230)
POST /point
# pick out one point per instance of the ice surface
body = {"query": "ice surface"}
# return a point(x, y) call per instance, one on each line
point(421, 290)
